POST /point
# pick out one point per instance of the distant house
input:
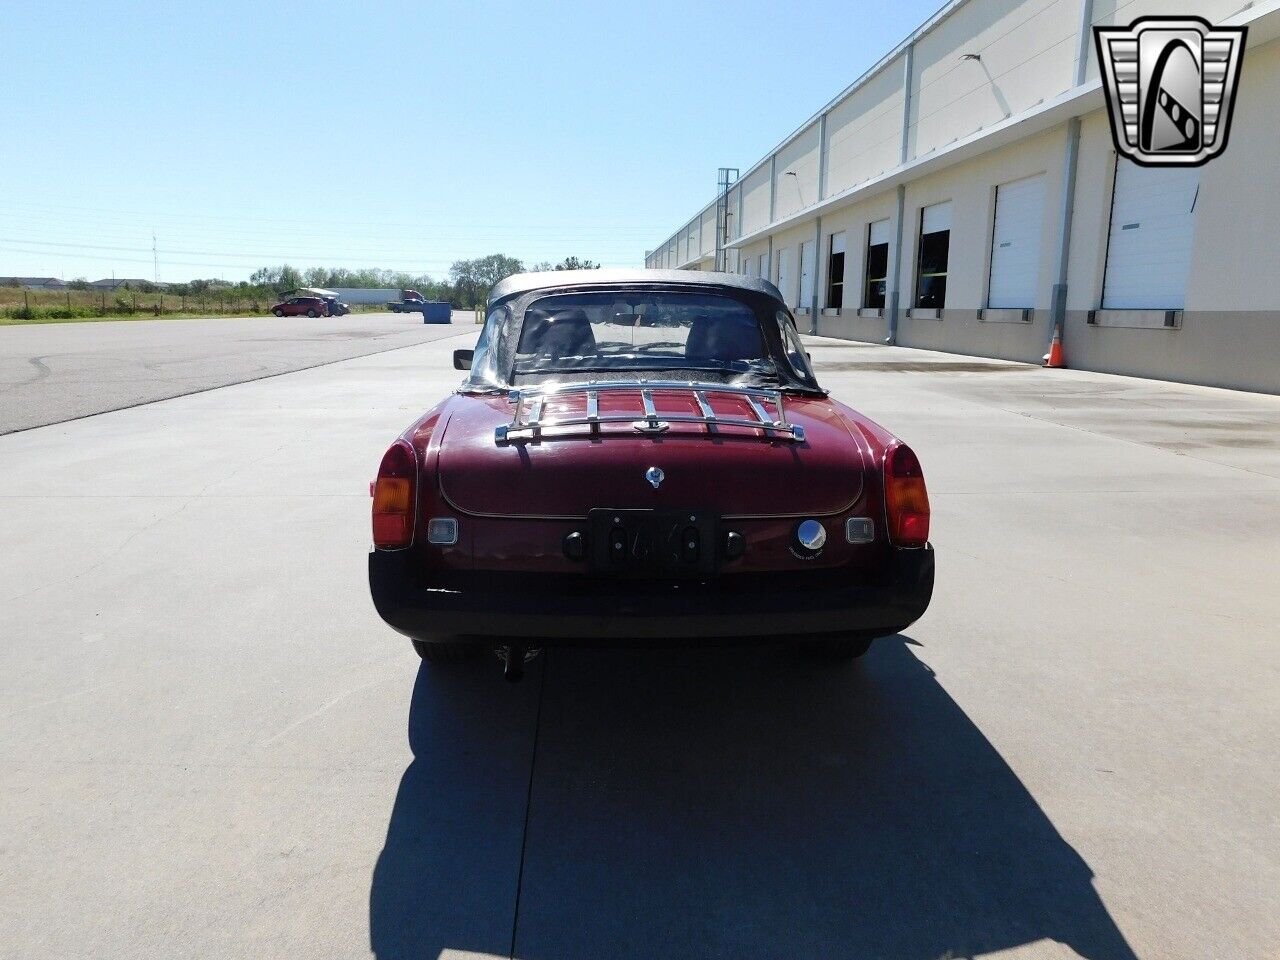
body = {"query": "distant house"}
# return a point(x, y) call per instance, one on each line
point(34, 283)
point(128, 283)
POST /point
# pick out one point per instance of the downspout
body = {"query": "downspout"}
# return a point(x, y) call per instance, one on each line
point(1070, 161)
point(737, 251)
point(1058, 299)
point(820, 267)
point(895, 297)
point(773, 190)
point(817, 274)
point(822, 158)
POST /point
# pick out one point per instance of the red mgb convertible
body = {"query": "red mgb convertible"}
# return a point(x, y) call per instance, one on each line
point(644, 457)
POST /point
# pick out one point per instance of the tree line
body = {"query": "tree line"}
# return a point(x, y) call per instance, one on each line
point(467, 285)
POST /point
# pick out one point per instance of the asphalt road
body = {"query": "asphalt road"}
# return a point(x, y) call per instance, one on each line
point(54, 372)
point(210, 746)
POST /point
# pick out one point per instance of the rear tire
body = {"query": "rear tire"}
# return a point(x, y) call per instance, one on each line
point(837, 648)
point(312, 314)
point(446, 652)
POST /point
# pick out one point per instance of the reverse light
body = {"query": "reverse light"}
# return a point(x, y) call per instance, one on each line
point(393, 497)
point(906, 501)
point(860, 530)
point(442, 531)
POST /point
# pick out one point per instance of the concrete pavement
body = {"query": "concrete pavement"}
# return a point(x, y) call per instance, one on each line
point(54, 372)
point(211, 746)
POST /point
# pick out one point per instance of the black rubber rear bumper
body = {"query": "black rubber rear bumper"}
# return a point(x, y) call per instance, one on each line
point(585, 611)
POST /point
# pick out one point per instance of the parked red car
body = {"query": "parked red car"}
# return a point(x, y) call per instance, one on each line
point(645, 457)
point(297, 306)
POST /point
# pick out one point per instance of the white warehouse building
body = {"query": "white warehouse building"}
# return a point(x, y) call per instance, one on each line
point(965, 195)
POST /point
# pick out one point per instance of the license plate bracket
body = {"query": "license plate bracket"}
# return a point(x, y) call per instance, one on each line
point(653, 543)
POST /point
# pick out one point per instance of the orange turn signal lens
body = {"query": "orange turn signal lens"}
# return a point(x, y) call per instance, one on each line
point(393, 497)
point(906, 500)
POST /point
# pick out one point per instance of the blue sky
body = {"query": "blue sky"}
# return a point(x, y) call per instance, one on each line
point(395, 135)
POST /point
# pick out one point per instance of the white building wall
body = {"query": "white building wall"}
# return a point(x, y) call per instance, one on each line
point(691, 251)
point(1027, 53)
point(1124, 12)
point(755, 200)
point(1229, 332)
point(852, 320)
point(971, 189)
point(790, 240)
point(796, 174)
point(1239, 202)
point(864, 131)
point(974, 125)
point(709, 232)
point(754, 251)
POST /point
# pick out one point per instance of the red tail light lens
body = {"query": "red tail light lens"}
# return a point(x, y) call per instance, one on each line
point(906, 500)
point(393, 497)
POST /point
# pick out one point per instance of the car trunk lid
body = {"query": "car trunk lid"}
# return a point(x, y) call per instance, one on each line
point(730, 470)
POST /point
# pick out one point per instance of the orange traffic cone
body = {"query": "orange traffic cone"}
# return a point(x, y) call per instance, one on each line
point(1054, 357)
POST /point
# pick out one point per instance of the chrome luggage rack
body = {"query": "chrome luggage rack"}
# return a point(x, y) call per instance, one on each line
point(527, 422)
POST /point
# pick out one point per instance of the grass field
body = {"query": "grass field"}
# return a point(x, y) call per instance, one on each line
point(19, 306)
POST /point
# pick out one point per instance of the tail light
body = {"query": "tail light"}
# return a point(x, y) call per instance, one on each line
point(906, 501)
point(393, 497)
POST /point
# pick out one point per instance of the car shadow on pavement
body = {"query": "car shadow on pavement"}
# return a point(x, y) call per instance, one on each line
point(446, 878)
point(723, 804)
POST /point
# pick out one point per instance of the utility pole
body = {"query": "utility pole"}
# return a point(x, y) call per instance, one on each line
point(155, 258)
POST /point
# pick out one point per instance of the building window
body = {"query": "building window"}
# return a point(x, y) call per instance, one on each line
point(931, 263)
point(877, 281)
point(764, 266)
point(835, 271)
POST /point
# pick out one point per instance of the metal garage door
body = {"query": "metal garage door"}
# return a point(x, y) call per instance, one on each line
point(1152, 229)
point(786, 283)
point(808, 270)
point(1015, 244)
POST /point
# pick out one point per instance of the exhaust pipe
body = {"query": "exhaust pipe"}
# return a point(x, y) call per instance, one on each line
point(514, 657)
point(513, 663)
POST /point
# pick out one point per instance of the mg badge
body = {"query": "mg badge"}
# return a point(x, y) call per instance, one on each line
point(655, 476)
point(1171, 84)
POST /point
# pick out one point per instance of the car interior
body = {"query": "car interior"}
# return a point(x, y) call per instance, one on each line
point(711, 334)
